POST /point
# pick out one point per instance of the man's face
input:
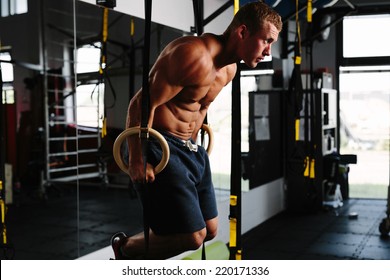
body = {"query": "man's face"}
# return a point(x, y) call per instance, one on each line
point(257, 46)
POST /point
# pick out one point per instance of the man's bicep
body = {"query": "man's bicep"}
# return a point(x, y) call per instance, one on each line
point(162, 89)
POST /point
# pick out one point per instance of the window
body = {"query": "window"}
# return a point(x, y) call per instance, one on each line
point(13, 7)
point(365, 108)
point(8, 95)
point(88, 58)
point(365, 103)
point(375, 40)
point(7, 69)
point(7, 76)
point(89, 103)
point(90, 93)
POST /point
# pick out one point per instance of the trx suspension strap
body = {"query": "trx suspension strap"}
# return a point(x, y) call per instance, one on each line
point(313, 135)
point(103, 61)
point(235, 175)
point(102, 69)
point(199, 28)
point(296, 155)
point(144, 129)
point(132, 60)
point(295, 83)
point(295, 86)
point(198, 14)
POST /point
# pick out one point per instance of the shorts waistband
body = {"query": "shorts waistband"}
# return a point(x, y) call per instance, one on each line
point(190, 144)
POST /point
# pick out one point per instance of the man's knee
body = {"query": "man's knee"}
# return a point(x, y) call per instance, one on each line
point(211, 235)
point(212, 228)
point(196, 239)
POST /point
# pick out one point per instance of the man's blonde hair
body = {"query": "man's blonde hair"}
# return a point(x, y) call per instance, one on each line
point(253, 15)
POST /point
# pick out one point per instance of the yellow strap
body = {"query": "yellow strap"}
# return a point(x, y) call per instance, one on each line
point(104, 39)
point(2, 206)
point(4, 235)
point(2, 209)
point(104, 127)
point(105, 25)
point(233, 223)
point(132, 27)
point(312, 168)
point(298, 60)
point(239, 255)
point(297, 127)
point(4, 232)
point(309, 10)
point(236, 6)
point(233, 200)
point(298, 26)
point(233, 231)
point(307, 168)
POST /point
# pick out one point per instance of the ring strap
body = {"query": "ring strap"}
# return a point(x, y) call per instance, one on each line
point(145, 114)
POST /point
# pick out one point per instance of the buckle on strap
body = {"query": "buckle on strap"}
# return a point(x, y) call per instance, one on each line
point(192, 147)
point(144, 132)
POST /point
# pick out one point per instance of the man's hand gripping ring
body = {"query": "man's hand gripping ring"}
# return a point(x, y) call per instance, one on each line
point(136, 130)
point(209, 132)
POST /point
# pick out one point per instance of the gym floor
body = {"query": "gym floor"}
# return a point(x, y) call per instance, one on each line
point(48, 229)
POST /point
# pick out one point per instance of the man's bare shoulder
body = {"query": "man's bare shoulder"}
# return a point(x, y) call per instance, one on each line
point(186, 45)
point(185, 59)
point(186, 39)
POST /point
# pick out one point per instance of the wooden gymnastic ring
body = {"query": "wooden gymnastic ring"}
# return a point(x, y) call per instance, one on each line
point(210, 133)
point(136, 130)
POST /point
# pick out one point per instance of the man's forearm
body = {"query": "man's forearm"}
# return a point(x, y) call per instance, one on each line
point(133, 120)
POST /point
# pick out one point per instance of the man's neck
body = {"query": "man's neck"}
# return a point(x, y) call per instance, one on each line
point(227, 54)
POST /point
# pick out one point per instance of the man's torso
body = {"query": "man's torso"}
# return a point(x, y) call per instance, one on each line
point(183, 114)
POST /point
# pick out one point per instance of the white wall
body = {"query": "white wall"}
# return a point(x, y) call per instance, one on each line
point(258, 205)
point(178, 14)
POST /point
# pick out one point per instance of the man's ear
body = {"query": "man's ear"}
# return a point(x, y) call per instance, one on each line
point(243, 31)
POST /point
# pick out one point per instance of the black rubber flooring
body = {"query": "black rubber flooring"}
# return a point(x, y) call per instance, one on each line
point(70, 224)
point(326, 235)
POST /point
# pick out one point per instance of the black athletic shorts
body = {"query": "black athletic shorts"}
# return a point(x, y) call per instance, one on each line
point(182, 196)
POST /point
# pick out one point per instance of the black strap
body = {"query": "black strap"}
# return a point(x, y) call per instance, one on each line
point(199, 28)
point(198, 13)
point(145, 117)
point(146, 54)
point(235, 214)
point(295, 85)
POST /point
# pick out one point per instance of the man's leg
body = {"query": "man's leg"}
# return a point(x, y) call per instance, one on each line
point(162, 246)
point(167, 246)
point(212, 228)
